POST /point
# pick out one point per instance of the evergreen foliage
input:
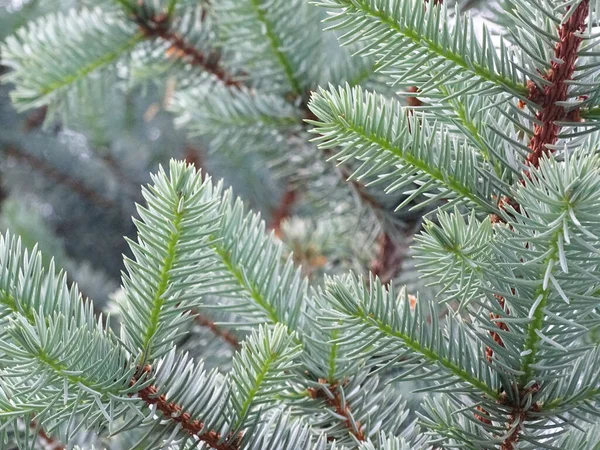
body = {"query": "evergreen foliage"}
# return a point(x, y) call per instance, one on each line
point(498, 141)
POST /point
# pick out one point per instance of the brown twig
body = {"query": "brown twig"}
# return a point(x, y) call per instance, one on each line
point(561, 71)
point(173, 411)
point(388, 263)
point(413, 102)
point(195, 157)
point(49, 442)
point(58, 177)
point(35, 119)
point(489, 353)
point(159, 27)
point(283, 210)
point(222, 333)
point(331, 395)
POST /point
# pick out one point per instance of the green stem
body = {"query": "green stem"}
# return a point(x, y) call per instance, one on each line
point(158, 300)
point(435, 48)
point(264, 370)
point(533, 340)
point(276, 45)
point(252, 290)
point(461, 114)
point(103, 60)
point(592, 395)
point(333, 357)
point(430, 355)
point(444, 179)
point(63, 371)
point(9, 302)
point(590, 113)
point(171, 8)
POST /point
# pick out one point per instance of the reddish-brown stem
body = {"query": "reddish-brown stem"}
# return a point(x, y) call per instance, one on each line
point(173, 411)
point(222, 333)
point(194, 156)
point(159, 27)
point(58, 177)
point(562, 68)
point(413, 102)
point(513, 437)
point(333, 398)
point(35, 119)
point(484, 417)
point(545, 134)
point(388, 263)
point(49, 442)
point(489, 353)
point(561, 71)
point(518, 416)
point(283, 210)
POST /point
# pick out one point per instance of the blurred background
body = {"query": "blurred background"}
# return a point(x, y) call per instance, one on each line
point(71, 166)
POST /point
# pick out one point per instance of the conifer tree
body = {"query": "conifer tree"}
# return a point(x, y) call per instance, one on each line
point(500, 136)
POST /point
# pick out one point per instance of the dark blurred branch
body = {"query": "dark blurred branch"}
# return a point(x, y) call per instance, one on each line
point(222, 333)
point(125, 179)
point(283, 210)
point(58, 177)
point(194, 156)
point(159, 26)
point(35, 119)
point(47, 441)
point(390, 258)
